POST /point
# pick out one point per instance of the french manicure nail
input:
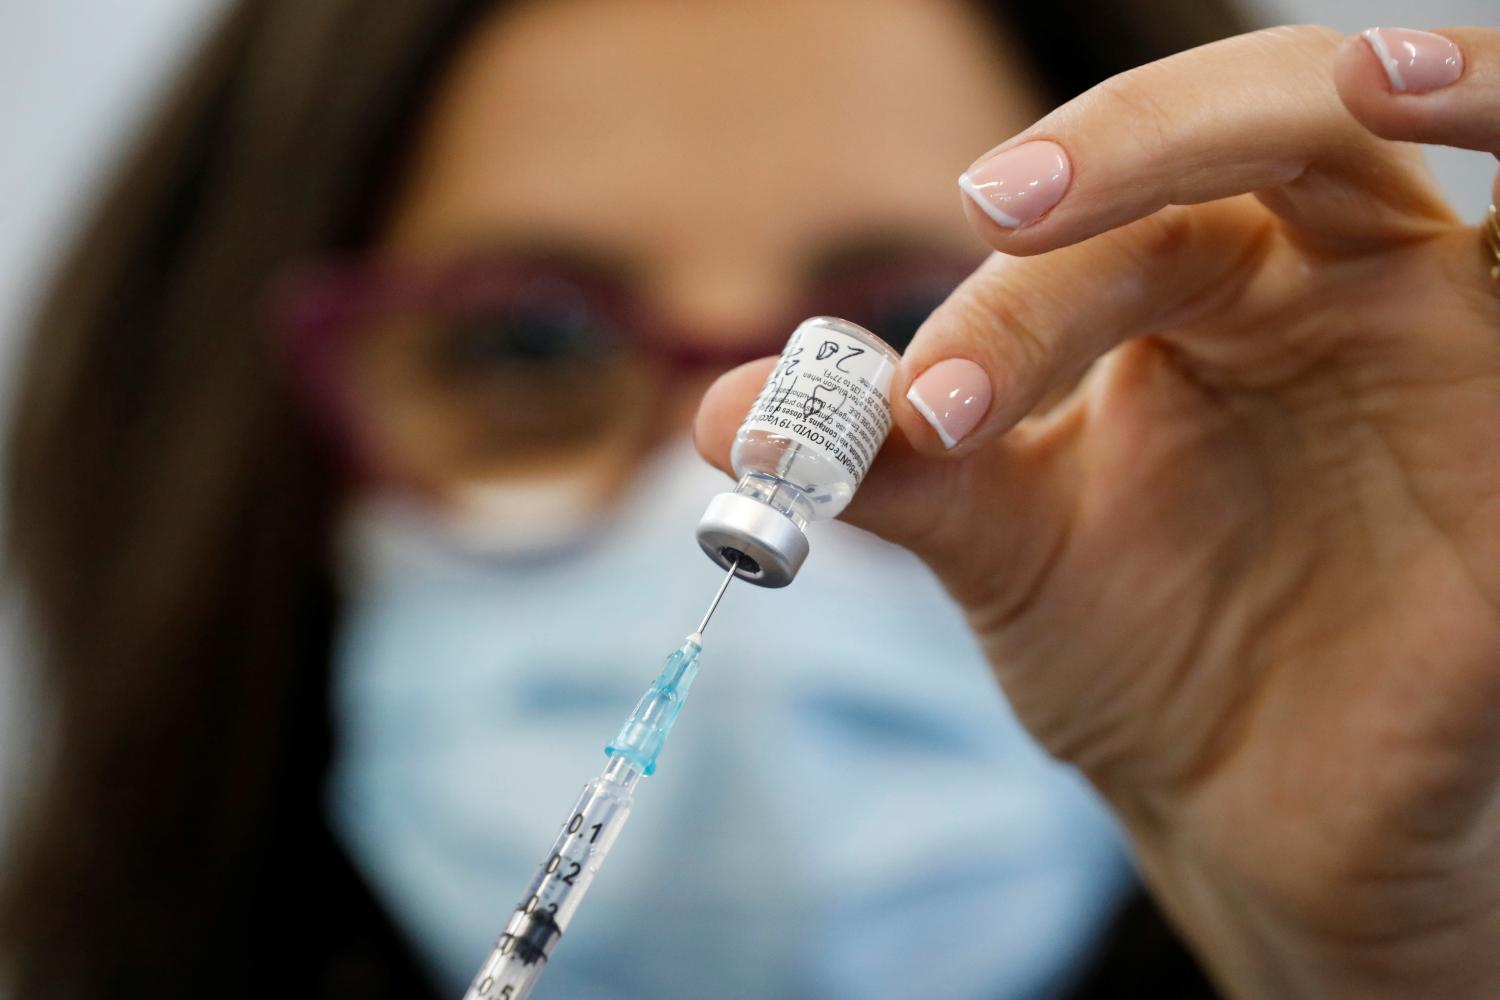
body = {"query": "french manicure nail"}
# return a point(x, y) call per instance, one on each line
point(1019, 185)
point(953, 396)
point(1415, 61)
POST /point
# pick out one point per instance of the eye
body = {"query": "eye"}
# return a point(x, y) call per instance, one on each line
point(896, 317)
point(893, 299)
point(542, 323)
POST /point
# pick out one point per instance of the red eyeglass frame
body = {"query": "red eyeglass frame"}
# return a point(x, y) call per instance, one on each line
point(316, 308)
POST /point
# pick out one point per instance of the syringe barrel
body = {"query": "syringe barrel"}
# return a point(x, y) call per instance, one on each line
point(560, 883)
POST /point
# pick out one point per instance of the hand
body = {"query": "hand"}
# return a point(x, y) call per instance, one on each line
point(1246, 573)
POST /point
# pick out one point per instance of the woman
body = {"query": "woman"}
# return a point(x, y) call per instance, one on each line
point(213, 597)
point(251, 573)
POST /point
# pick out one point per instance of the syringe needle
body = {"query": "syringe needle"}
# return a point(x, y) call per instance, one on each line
point(718, 596)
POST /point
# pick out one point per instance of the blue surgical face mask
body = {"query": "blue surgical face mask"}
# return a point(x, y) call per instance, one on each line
point(846, 799)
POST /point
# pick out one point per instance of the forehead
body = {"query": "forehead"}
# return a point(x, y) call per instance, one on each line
point(660, 124)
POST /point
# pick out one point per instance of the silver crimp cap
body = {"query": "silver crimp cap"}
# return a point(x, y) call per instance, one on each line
point(772, 545)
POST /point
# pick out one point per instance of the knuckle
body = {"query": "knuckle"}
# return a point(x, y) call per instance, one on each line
point(1290, 44)
point(1316, 37)
point(1006, 322)
point(1149, 96)
point(1135, 97)
point(1303, 53)
point(1156, 240)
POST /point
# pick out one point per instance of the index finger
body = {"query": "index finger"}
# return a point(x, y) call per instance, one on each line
point(1256, 113)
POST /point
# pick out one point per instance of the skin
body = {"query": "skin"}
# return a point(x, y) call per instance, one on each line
point(583, 125)
point(1247, 576)
point(715, 188)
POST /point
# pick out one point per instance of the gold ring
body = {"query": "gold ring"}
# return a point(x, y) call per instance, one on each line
point(1490, 231)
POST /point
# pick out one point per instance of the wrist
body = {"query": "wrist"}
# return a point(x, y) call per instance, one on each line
point(1307, 931)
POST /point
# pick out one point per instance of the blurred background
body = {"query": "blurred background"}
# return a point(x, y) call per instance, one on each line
point(78, 77)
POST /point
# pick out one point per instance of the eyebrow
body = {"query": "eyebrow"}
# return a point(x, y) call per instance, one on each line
point(833, 256)
point(616, 267)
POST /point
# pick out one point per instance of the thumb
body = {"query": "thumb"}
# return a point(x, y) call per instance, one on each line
point(983, 524)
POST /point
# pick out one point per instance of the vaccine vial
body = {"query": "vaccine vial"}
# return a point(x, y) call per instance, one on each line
point(803, 450)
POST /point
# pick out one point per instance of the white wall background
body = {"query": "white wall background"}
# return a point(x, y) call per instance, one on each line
point(76, 76)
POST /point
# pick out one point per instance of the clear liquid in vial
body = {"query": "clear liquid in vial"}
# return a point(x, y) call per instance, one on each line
point(822, 415)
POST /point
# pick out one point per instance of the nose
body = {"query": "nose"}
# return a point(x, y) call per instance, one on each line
point(724, 302)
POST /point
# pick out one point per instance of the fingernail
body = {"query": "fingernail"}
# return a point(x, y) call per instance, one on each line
point(953, 396)
point(1019, 185)
point(1415, 61)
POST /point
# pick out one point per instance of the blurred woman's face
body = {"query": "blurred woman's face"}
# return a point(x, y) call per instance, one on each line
point(696, 172)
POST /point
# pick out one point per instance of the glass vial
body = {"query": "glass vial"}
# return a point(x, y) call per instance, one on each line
point(803, 450)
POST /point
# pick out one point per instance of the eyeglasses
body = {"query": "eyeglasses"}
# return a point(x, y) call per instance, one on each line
point(473, 370)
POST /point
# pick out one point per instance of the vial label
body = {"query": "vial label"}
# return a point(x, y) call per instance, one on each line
point(830, 392)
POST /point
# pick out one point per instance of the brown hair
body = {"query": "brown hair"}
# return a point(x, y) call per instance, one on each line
point(169, 513)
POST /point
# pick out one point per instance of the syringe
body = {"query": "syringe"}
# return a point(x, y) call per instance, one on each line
point(546, 908)
point(801, 453)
